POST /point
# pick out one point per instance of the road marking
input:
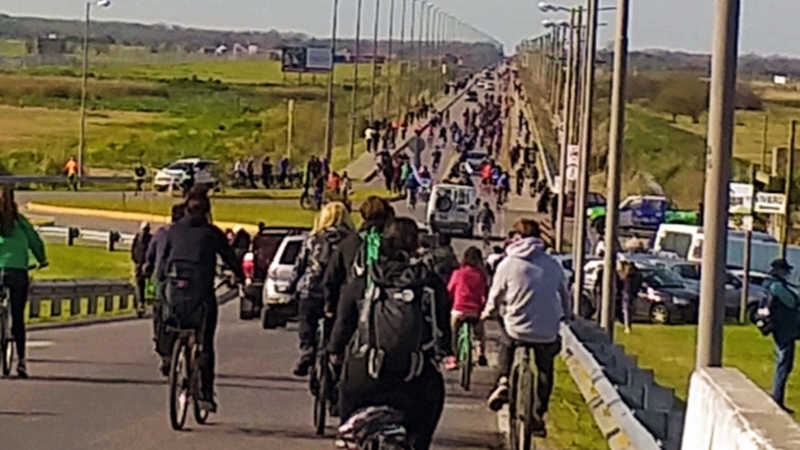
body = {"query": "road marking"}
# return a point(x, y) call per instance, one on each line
point(39, 344)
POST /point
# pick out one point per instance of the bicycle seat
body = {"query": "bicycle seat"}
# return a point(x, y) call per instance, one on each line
point(367, 424)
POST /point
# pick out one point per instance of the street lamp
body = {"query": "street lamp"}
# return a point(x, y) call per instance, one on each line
point(356, 62)
point(374, 59)
point(331, 79)
point(85, 83)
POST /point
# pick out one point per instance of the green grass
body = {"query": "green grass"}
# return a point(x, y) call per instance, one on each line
point(670, 352)
point(571, 425)
point(13, 47)
point(83, 262)
point(360, 193)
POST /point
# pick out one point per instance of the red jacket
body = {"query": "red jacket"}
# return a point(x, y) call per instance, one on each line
point(468, 287)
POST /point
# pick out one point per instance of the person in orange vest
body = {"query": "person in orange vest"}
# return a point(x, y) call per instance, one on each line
point(71, 169)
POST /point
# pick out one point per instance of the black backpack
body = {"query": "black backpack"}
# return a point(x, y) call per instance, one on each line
point(396, 328)
point(320, 255)
point(184, 292)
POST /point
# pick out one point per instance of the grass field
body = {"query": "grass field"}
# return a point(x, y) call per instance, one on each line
point(12, 47)
point(83, 262)
point(570, 425)
point(670, 352)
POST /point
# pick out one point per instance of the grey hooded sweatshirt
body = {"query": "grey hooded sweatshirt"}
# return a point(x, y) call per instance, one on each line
point(529, 289)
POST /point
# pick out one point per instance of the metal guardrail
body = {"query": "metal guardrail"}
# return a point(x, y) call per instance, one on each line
point(63, 300)
point(70, 234)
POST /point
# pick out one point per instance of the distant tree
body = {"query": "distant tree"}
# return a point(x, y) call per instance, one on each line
point(683, 96)
point(641, 87)
point(747, 99)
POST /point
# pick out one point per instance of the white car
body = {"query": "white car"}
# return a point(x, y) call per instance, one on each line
point(452, 208)
point(279, 303)
point(173, 174)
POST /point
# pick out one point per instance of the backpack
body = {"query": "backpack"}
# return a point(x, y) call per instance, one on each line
point(319, 257)
point(184, 295)
point(396, 327)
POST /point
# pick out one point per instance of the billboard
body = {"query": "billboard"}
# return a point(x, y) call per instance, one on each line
point(741, 198)
point(306, 59)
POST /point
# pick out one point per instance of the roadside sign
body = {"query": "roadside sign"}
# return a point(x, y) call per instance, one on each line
point(416, 144)
point(306, 59)
point(770, 203)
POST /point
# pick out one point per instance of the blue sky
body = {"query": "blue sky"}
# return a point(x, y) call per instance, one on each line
point(768, 26)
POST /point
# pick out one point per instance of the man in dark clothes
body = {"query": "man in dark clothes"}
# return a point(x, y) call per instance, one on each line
point(141, 242)
point(266, 172)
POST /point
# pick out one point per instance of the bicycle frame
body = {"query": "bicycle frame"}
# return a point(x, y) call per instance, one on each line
point(465, 353)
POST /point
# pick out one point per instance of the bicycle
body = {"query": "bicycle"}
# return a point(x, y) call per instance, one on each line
point(321, 380)
point(521, 400)
point(185, 378)
point(6, 338)
point(466, 352)
point(486, 235)
point(375, 428)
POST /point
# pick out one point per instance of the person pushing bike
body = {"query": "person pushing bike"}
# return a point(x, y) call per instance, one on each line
point(18, 239)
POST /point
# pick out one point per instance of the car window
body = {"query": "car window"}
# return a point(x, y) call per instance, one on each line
point(688, 271)
point(462, 197)
point(662, 278)
point(178, 166)
point(677, 243)
point(290, 252)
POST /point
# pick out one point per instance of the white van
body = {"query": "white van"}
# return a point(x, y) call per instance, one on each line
point(452, 209)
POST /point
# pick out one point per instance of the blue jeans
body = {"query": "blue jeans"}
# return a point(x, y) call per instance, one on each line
point(784, 363)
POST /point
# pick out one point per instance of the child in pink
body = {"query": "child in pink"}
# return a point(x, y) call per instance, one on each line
point(468, 288)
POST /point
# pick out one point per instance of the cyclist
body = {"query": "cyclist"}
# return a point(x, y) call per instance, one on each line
point(406, 378)
point(437, 158)
point(17, 239)
point(468, 287)
point(487, 220)
point(331, 226)
point(412, 187)
point(192, 245)
point(526, 288)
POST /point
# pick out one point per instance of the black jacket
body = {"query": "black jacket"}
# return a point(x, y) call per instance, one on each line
point(195, 240)
point(139, 248)
point(339, 270)
point(392, 272)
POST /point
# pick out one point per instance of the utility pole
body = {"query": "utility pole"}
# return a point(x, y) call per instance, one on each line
point(84, 89)
point(764, 144)
point(374, 60)
point(411, 53)
point(389, 61)
point(787, 217)
point(616, 141)
point(422, 9)
point(331, 79)
point(290, 128)
point(354, 112)
point(402, 50)
point(579, 220)
point(718, 165)
point(748, 245)
point(569, 114)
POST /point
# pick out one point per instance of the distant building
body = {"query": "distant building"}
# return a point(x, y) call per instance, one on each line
point(252, 49)
point(780, 79)
point(221, 50)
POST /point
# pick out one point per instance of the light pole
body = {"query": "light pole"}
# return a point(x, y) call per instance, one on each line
point(389, 60)
point(401, 51)
point(715, 217)
point(85, 85)
point(422, 9)
point(411, 52)
point(331, 79)
point(374, 59)
point(616, 140)
point(354, 102)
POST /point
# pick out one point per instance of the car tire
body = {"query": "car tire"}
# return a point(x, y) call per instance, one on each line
point(752, 312)
point(659, 313)
point(246, 309)
point(444, 204)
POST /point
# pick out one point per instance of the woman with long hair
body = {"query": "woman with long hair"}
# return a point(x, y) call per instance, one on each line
point(17, 240)
point(468, 287)
point(331, 226)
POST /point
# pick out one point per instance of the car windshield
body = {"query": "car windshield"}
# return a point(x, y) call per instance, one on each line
point(290, 252)
point(178, 166)
point(663, 278)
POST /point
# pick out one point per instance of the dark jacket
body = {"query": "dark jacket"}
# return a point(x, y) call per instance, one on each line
point(338, 272)
point(141, 242)
point(392, 272)
point(155, 249)
point(195, 240)
point(312, 263)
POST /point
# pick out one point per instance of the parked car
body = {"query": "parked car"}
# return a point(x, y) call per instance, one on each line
point(279, 304)
point(472, 96)
point(264, 249)
point(173, 174)
point(643, 212)
point(665, 298)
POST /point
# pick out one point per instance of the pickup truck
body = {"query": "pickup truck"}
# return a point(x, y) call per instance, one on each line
point(643, 212)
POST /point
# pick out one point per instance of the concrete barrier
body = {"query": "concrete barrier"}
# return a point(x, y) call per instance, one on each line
point(69, 300)
point(727, 411)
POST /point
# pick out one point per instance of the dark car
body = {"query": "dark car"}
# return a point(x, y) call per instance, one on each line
point(472, 96)
point(263, 248)
point(664, 298)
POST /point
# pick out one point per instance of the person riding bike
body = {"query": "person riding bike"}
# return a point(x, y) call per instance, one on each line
point(18, 239)
point(331, 227)
point(437, 158)
point(530, 291)
point(486, 219)
point(468, 287)
point(412, 188)
point(390, 359)
point(188, 267)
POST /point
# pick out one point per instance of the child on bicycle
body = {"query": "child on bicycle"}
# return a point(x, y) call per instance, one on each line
point(468, 287)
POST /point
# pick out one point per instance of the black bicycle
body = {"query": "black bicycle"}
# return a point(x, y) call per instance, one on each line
point(375, 428)
point(322, 381)
point(185, 378)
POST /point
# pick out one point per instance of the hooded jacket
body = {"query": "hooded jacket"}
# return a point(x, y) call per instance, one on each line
point(526, 289)
point(317, 253)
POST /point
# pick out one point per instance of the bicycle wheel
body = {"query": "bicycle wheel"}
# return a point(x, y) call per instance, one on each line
point(6, 346)
point(178, 386)
point(465, 354)
point(513, 387)
point(322, 394)
point(200, 415)
point(524, 409)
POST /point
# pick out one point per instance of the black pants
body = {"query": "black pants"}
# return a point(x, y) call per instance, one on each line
point(16, 280)
point(309, 311)
point(544, 359)
point(141, 287)
point(421, 400)
point(209, 353)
